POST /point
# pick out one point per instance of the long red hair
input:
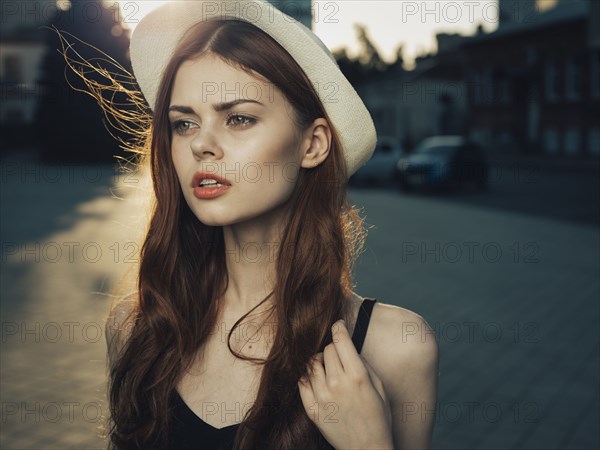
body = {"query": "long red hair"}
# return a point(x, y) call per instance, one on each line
point(182, 269)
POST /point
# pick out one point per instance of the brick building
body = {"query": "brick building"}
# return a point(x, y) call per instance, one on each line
point(531, 87)
point(535, 87)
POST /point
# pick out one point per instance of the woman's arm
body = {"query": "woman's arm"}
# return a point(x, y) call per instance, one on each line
point(408, 365)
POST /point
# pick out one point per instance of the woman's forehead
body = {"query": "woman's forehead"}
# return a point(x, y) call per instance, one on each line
point(215, 80)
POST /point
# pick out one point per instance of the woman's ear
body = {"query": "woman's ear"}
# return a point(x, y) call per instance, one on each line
point(316, 143)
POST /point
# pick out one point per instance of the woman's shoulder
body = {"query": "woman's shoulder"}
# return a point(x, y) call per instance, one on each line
point(402, 350)
point(393, 321)
point(399, 343)
point(119, 323)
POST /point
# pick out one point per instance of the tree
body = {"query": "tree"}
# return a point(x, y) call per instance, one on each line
point(352, 69)
point(368, 63)
point(369, 55)
point(399, 63)
point(71, 125)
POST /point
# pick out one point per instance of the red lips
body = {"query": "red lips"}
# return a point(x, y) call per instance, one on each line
point(199, 176)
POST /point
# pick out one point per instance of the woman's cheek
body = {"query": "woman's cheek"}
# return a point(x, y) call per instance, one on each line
point(182, 158)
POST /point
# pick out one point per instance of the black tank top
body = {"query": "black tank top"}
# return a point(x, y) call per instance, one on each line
point(190, 432)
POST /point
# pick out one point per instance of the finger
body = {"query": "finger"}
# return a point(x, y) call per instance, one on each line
point(346, 351)
point(306, 393)
point(380, 388)
point(316, 369)
point(331, 359)
point(376, 381)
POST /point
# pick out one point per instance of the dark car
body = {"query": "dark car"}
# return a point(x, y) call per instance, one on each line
point(443, 162)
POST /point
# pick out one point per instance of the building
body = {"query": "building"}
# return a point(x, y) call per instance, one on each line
point(530, 87)
point(21, 55)
point(517, 11)
point(535, 87)
point(429, 100)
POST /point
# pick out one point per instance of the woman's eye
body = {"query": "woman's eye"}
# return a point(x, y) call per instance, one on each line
point(236, 120)
point(240, 121)
point(180, 126)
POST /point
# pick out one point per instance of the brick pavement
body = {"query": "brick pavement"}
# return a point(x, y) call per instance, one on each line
point(58, 261)
point(533, 386)
point(536, 385)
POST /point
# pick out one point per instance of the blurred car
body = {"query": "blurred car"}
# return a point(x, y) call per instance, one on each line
point(381, 168)
point(443, 162)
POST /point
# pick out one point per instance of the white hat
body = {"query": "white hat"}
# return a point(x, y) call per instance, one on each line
point(157, 34)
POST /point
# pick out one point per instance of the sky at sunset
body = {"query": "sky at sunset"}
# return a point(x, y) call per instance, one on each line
point(389, 22)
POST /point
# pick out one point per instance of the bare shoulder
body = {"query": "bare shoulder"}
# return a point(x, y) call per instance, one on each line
point(394, 322)
point(401, 348)
point(119, 323)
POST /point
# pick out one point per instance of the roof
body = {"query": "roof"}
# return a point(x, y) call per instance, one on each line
point(562, 13)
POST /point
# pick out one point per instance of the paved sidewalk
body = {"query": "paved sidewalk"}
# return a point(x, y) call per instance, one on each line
point(64, 242)
point(513, 299)
point(517, 319)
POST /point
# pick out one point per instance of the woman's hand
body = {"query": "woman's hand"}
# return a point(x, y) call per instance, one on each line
point(344, 397)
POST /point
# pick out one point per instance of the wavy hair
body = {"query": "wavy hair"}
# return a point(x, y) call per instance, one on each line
point(182, 271)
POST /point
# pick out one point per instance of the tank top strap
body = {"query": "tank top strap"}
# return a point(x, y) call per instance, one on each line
point(362, 322)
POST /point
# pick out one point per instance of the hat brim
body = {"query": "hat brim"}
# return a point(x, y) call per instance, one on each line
point(157, 34)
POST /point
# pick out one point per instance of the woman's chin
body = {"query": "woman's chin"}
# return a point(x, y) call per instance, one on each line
point(214, 221)
point(217, 220)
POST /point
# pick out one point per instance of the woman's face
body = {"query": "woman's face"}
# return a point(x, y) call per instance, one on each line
point(253, 144)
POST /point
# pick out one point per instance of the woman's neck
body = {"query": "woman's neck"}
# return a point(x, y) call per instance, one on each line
point(251, 250)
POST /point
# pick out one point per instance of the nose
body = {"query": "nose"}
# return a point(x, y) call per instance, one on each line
point(205, 144)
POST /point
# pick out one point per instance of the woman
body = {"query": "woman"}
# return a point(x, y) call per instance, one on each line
point(252, 236)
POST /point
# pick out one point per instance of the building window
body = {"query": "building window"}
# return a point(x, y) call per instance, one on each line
point(506, 89)
point(476, 84)
point(551, 77)
point(594, 141)
point(388, 121)
point(551, 140)
point(572, 141)
point(13, 69)
point(573, 78)
point(595, 75)
point(501, 87)
point(484, 86)
point(531, 55)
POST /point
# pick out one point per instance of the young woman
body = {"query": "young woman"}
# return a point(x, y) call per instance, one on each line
point(243, 330)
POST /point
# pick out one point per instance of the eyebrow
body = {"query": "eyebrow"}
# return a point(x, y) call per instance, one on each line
point(218, 107)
